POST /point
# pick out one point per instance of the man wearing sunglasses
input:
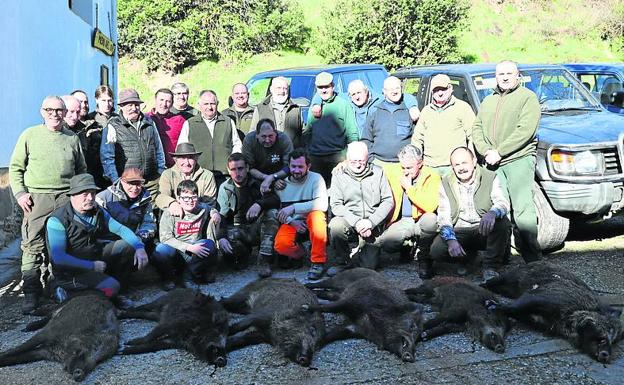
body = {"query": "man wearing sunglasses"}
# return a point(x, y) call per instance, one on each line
point(45, 158)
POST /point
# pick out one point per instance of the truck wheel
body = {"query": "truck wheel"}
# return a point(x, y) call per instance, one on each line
point(552, 229)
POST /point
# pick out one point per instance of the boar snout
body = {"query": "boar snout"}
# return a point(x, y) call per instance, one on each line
point(603, 356)
point(78, 374)
point(303, 359)
point(221, 361)
point(408, 357)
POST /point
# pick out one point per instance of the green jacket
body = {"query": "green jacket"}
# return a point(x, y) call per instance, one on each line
point(336, 127)
point(44, 161)
point(171, 177)
point(507, 122)
point(241, 119)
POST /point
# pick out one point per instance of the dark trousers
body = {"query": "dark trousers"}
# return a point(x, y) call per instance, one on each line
point(342, 234)
point(324, 164)
point(496, 243)
point(119, 258)
point(260, 232)
point(170, 262)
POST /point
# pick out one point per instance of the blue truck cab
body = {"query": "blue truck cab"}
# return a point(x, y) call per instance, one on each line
point(301, 81)
point(604, 80)
point(579, 172)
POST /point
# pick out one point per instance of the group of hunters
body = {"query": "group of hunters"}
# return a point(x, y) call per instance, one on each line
point(187, 190)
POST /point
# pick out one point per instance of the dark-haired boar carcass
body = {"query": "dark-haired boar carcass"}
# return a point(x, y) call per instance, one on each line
point(557, 301)
point(331, 288)
point(462, 307)
point(379, 312)
point(187, 320)
point(275, 315)
point(80, 334)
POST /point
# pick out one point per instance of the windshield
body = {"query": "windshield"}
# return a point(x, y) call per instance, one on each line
point(556, 89)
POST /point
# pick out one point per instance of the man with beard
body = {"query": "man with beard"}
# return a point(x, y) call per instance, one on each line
point(472, 214)
point(266, 151)
point(279, 108)
point(213, 133)
point(360, 200)
point(304, 204)
point(249, 218)
point(168, 124)
point(131, 140)
point(185, 168)
point(505, 134)
point(444, 124)
point(82, 255)
point(180, 101)
point(240, 111)
point(44, 160)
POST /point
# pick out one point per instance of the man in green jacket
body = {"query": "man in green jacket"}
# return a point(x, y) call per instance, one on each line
point(504, 134)
point(45, 158)
point(240, 111)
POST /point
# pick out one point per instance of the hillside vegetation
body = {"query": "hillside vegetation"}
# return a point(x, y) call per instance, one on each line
point(524, 30)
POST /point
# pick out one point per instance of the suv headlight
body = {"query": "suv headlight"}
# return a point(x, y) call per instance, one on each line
point(578, 163)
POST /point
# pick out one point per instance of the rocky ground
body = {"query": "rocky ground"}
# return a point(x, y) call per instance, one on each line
point(531, 357)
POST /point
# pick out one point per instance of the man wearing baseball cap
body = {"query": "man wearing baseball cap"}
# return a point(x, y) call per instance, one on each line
point(81, 253)
point(132, 140)
point(444, 124)
point(327, 136)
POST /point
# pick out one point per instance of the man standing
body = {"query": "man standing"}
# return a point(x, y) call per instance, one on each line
point(472, 214)
point(214, 134)
point(83, 99)
point(304, 203)
point(444, 124)
point(180, 101)
point(249, 218)
point(360, 201)
point(81, 253)
point(240, 111)
point(185, 168)
point(131, 140)
point(505, 135)
point(168, 124)
point(282, 110)
point(266, 151)
point(44, 160)
point(327, 137)
point(415, 192)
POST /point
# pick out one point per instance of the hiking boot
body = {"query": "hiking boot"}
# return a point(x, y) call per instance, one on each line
point(425, 269)
point(316, 271)
point(489, 274)
point(31, 301)
point(264, 268)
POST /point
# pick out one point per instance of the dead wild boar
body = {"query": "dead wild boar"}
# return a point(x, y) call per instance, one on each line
point(80, 334)
point(274, 306)
point(461, 306)
point(379, 312)
point(187, 320)
point(331, 288)
point(556, 301)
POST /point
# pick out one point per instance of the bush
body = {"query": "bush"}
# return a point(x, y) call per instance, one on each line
point(172, 34)
point(394, 33)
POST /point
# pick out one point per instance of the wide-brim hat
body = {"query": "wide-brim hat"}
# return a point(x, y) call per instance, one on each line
point(128, 95)
point(81, 182)
point(185, 149)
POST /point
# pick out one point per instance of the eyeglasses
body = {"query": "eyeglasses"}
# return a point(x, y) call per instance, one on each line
point(51, 111)
point(188, 198)
point(354, 161)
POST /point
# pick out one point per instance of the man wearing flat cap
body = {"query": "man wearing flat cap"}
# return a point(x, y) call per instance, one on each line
point(444, 124)
point(131, 140)
point(327, 137)
point(81, 252)
point(185, 168)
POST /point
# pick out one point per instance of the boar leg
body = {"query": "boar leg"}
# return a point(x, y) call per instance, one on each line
point(241, 340)
point(36, 325)
point(22, 357)
point(155, 334)
point(444, 328)
point(452, 316)
point(338, 333)
point(247, 322)
point(528, 304)
point(149, 347)
point(332, 307)
point(328, 295)
point(141, 313)
point(419, 294)
point(237, 303)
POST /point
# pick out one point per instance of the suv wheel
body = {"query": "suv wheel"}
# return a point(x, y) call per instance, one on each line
point(552, 229)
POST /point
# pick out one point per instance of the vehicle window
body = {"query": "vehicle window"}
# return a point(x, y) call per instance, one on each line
point(459, 89)
point(376, 79)
point(602, 86)
point(557, 90)
point(258, 90)
point(302, 87)
point(348, 77)
point(412, 85)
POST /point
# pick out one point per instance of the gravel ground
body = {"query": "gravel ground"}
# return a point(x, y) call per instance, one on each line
point(531, 357)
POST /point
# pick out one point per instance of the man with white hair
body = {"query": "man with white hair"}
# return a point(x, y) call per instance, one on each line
point(45, 158)
point(180, 104)
point(282, 110)
point(360, 201)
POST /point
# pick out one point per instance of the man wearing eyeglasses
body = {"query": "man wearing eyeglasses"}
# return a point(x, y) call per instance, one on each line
point(361, 200)
point(45, 158)
point(132, 140)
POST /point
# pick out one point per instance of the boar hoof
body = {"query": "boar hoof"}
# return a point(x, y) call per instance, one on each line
point(424, 336)
point(407, 357)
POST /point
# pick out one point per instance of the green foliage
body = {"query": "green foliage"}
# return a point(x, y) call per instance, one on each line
point(392, 32)
point(172, 34)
